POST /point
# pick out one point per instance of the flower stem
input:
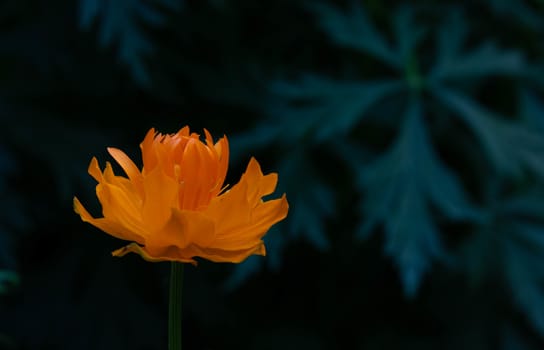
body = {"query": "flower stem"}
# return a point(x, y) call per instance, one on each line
point(174, 307)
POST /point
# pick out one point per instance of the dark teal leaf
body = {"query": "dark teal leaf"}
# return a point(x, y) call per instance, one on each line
point(517, 11)
point(524, 263)
point(400, 188)
point(121, 23)
point(408, 32)
point(533, 75)
point(511, 247)
point(353, 29)
point(531, 109)
point(88, 11)
point(450, 38)
point(509, 145)
point(324, 109)
point(482, 61)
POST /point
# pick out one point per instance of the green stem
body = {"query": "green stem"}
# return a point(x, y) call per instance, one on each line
point(174, 307)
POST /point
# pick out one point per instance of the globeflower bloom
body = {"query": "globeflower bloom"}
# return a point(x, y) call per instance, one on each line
point(177, 207)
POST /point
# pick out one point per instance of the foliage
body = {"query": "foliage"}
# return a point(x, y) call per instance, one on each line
point(408, 137)
point(121, 23)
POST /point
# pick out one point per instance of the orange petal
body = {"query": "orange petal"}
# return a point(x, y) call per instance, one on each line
point(259, 185)
point(161, 194)
point(135, 248)
point(222, 149)
point(120, 206)
point(108, 226)
point(230, 208)
point(94, 170)
point(209, 138)
point(128, 166)
point(183, 229)
point(243, 233)
point(149, 157)
point(183, 131)
point(195, 174)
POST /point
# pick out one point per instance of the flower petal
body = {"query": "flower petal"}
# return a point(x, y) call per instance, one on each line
point(135, 248)
point(183, 229)
point(94, 170)
point(120, 206)
point(231, 256)
point(128, 166)
point(109, 226)
point(245, 233)
point(241, 217)
point(149, 157)
point(259, 185)
point(222, 149)
point(173, 208)
point(160, 196)
point(230, 208)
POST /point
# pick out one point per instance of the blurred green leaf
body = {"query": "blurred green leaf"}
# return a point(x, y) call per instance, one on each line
point(510, 246)
point(353, 29)
point(400, 188)
point(531, 109)
point(121, 24)
point(521, 11)
point(408, 32)
point(510, 145)
point(8, 280)
point(324, 108)
point(482, 61)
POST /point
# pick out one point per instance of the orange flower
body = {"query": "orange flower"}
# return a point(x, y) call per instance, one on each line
point(176, 207)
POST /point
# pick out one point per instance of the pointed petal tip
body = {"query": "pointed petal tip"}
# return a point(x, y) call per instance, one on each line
point(94, 169)
point(283, 207)
point(209, 138)
point(76, 204)
point(261, 250)
point(253, 167)
point(80, 210)
point(149, 137)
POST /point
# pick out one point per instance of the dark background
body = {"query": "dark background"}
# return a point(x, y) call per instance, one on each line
point(408, 136)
